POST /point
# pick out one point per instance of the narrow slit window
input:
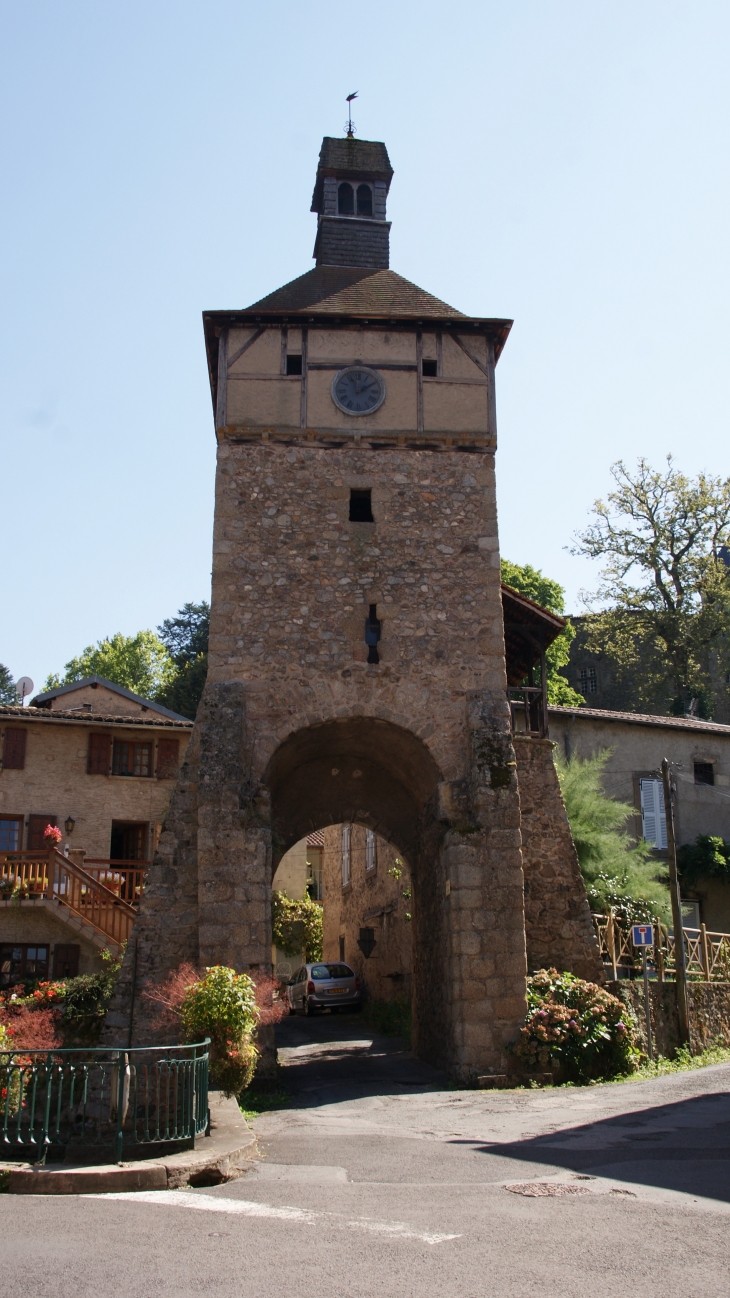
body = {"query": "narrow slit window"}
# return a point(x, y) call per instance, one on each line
point(361, 508)
point(345, 856)
point(372, 634)
point(430, 369)
point(293, 364)
point(364, 200)
point(345, 200)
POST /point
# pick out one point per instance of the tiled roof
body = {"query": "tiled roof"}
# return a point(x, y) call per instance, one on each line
point(355, 290)
point(316, 839)
point(10, 712)
point(642, 719)
point(47, 695)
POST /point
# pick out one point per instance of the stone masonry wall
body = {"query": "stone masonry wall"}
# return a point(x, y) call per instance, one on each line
point(558, 924)
point(709, 1012)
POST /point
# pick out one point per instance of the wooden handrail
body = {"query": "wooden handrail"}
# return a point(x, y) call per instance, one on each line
point(51, 875)
point(707, 955)
point(124, 878)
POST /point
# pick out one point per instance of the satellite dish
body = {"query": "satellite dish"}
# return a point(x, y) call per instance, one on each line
point(23, 688)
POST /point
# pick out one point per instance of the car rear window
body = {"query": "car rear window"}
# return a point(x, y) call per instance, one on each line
point(320, 971)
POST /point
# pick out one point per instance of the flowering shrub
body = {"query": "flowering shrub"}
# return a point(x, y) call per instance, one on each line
point(52, 835)
point(222, 1006)
point(575, 1028)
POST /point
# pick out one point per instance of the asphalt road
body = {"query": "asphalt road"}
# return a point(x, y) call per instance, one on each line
point(379, 1180)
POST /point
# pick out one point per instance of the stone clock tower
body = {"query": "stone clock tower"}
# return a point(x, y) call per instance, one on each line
point(357, 660)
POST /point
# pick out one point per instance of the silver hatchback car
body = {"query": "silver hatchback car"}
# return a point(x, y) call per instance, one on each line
point(316, 987)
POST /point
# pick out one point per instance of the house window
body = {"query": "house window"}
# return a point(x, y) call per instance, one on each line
point(345, 200)
point(293, 364)
point(11, 833)
point(66, 960)
point(18, 963)
point(704, 773)
point(430, 369)
point(690, 914)
point(131, 759)
point(653, 821)
point(346, 855)
point(364, 200)
point(588, 681)
point(370, 857)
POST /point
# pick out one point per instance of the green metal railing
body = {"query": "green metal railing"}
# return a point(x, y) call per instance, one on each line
point(121, 1101)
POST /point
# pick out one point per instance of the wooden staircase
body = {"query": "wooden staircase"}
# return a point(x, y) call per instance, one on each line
point(50, 876)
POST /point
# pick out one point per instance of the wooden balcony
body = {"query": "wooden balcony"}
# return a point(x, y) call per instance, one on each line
point(528, 710)
point(51, 876)
point(124, 878)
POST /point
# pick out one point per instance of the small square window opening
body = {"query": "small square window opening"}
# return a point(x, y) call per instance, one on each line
point(430, 369)
point(588, 681)
point(704, 773)
point(361, 510)
point(293, 364)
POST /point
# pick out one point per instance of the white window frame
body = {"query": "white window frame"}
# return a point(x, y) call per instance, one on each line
point(346, 834)
point(653, 819)
point(370, 856)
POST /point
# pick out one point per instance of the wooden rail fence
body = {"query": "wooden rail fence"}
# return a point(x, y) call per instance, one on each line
point(707, 954)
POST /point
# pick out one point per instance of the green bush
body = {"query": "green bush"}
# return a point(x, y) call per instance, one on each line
point(620, 875)
point(297, 925)
point(222, 1006)
point(575, 1029)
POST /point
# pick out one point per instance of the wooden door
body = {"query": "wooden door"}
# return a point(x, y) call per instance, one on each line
point(36, 828)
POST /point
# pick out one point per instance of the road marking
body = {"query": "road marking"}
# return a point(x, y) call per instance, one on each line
point(248, 1208)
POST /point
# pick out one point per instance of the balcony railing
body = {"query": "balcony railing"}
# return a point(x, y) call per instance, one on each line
point(706, 954)
point(528, 710)
point(51, 875)
point(124, 878)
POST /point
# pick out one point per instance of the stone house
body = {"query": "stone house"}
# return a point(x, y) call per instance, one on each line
point(368, 910)
point(99, 763)
point(699, 752)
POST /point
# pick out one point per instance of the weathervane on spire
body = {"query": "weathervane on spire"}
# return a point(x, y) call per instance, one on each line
point(350, 125)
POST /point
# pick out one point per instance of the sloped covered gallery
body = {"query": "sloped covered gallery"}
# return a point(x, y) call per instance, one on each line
point(357, 652)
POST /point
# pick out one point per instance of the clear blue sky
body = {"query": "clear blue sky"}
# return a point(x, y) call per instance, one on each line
point(561, 163)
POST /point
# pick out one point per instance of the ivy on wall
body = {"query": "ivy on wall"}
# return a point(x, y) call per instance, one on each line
point(297, 925)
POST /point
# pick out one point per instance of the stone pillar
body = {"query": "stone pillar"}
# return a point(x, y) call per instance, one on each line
point(478, 948)
point(559, 928)
point(234, 840)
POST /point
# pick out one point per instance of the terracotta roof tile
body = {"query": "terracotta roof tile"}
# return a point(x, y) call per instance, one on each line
point(11, 712)
point(642, 719)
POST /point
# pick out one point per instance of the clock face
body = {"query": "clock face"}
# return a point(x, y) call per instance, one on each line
point(358, 390)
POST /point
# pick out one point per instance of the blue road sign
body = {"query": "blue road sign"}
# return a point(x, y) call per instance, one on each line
point(642, 934)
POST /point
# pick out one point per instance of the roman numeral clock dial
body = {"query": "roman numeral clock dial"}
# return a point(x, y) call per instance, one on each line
point(358, 390)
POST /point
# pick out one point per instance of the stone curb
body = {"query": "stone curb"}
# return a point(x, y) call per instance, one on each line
point(221, 1156)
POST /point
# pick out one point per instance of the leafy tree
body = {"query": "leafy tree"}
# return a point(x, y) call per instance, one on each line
point(186, 639)
point(619, 875)
point(7, 686)
point(549, 594)
point(707, 858)
point(140, 663)
point(666, 584)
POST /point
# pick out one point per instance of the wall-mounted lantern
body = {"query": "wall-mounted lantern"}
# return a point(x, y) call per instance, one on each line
point(69, 824)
